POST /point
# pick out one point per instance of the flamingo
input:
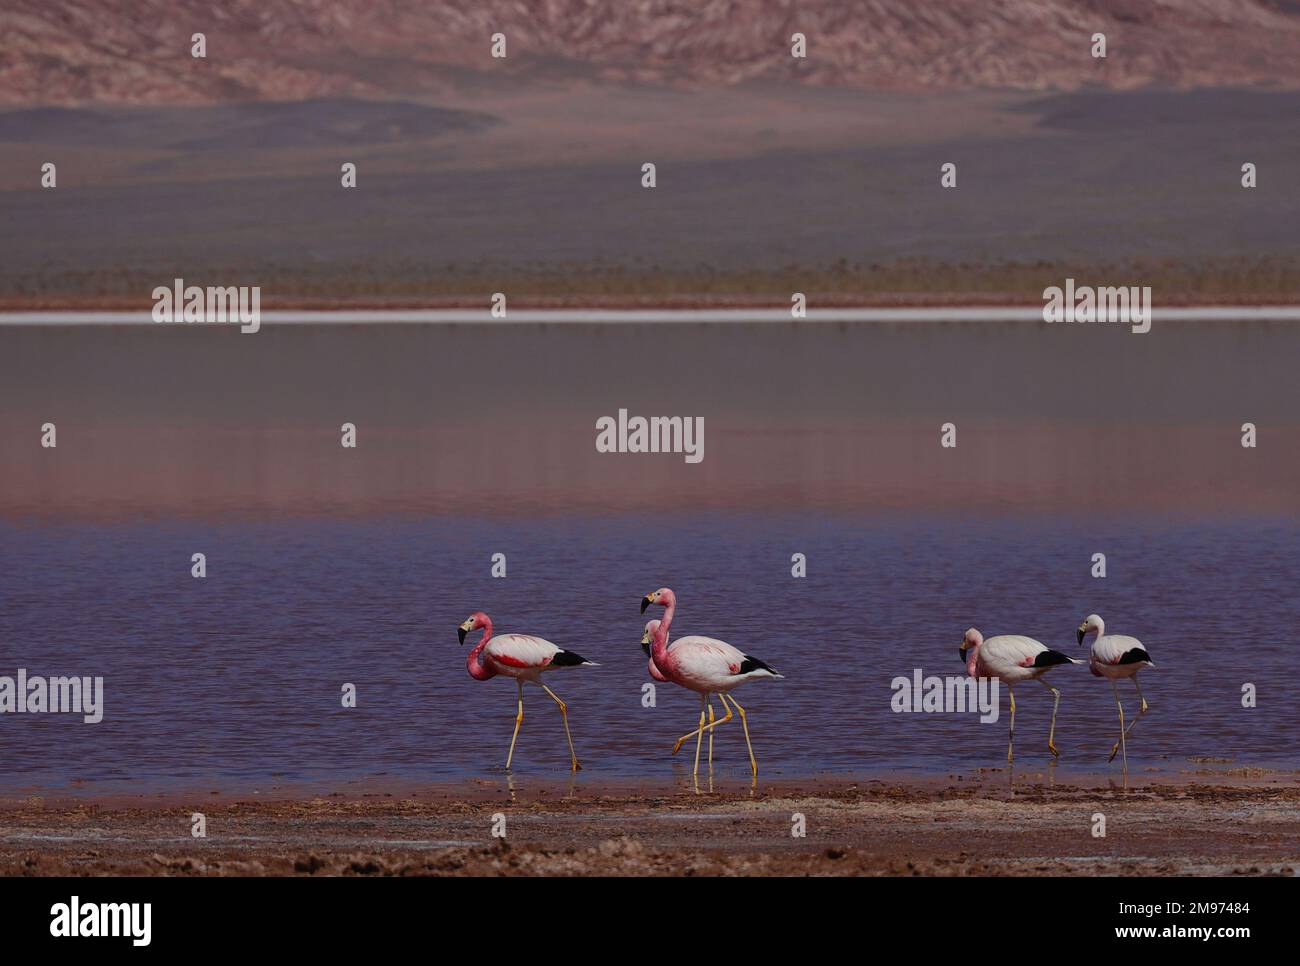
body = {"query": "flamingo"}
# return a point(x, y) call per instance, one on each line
point(524, 658)
point(1116, 656)
point(1012, 658)
point(705, 665)
point(650, 628)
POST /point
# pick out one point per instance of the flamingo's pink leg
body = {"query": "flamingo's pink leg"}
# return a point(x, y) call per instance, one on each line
point(1143, 709)
point(744, 722)
point(519, 719)
point(700, 734)
point(1056, 703)
point(564, 713)
point(1122, 744)
point(1011, 737)
point(706, 727)
point(711, 727)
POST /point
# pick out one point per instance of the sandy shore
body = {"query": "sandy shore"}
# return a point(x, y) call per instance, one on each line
point(1211, 823)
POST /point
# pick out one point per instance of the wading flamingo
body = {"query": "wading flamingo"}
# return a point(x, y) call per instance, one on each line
point(705, 665)
point(1115, 656)
point(1012, 658)
point(650, 628)
point(524, 658)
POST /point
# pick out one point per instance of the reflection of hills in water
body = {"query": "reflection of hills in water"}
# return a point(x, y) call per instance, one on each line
point(502, 419)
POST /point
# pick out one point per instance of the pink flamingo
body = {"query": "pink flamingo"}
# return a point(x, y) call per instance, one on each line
point(705, 665)
point(650, 628)
point(524, 658)
point(1012, 658)
point(1114, 657)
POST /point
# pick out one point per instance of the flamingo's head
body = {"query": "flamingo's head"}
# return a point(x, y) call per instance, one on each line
point(1090, 623)
point(651, 628)
point(472, 623)
point(972, 638)
point(663, 596)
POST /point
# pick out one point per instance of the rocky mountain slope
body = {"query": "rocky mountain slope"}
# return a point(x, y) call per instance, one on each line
point(138, 51)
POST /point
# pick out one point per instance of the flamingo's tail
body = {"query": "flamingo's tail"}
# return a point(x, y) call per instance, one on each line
point(756, 668)
point(1049, 657)
point(571, 659)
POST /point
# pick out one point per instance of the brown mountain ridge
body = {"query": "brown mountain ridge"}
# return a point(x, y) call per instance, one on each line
point(138, 51)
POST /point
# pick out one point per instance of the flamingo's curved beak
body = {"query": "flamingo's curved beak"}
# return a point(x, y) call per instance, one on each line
point(1083, 629)
point(645, 643)
point(464, 629)
point(962, 651)
point(646, 601)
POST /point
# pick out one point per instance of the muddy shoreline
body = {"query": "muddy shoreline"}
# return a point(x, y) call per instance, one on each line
point(1203, 822)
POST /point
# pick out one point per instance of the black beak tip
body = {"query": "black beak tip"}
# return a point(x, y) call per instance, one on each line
point(645, 602)
point(461, 632)
point(962, 651)
point(1080, 637)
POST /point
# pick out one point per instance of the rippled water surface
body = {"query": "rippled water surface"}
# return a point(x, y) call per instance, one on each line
point(329, 566)
point(236, 678)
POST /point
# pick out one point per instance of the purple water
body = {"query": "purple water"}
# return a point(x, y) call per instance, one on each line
point(328, 566)
point(234, 680)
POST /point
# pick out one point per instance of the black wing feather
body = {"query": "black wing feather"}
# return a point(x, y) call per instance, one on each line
point(754, 664)
point(1135, 656)
point(1049, 658)
point(568, 659)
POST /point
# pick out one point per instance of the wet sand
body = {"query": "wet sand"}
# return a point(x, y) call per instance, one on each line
point(1206, 821)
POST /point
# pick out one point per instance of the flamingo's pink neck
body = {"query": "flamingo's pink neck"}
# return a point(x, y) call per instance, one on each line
point(660, 642)
point(478, 668)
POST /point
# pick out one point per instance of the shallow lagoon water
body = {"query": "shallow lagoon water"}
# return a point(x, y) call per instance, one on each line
point(235, 679)
point(328, 567)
